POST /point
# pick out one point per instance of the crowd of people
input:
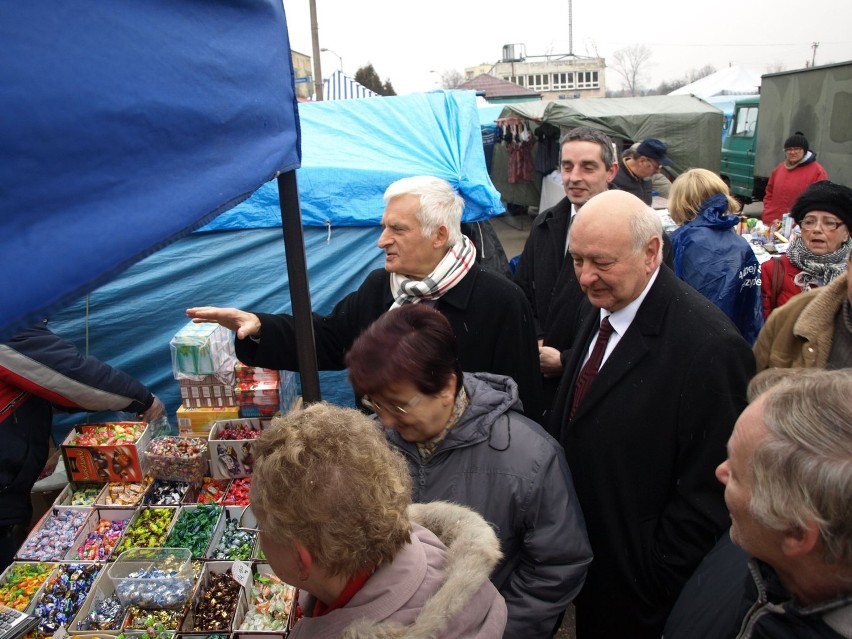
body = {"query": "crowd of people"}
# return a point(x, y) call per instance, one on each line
point(594, 432)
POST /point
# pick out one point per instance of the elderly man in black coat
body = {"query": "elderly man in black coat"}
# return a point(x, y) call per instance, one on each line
point(427, 260)
point(643, 416)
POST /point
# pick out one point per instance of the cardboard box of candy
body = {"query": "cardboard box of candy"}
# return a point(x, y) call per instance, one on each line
point(231, 446)
point(258, 399)
point(203, 349)
point(106, 452)
point(214, 600)
point(208, 392)
point(79, 494)
point(22, 582)
point(243, 373)
point(102, 612)
point(100, 535)
point(54, 535)
point(196, 422)
point(265, 604)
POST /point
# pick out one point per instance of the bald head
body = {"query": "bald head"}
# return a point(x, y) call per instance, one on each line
point(616, 245)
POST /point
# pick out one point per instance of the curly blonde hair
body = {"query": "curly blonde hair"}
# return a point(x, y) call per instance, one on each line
point(325, 477)
point(691, 189)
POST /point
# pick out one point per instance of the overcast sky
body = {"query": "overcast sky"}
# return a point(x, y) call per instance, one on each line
point(405, 41)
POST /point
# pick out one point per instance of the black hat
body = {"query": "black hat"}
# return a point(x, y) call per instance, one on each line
point(825, 196)
point(654, 149)
point(797, 141)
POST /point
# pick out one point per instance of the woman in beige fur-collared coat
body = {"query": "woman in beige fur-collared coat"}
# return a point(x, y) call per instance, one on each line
point(812, 330)
point(332, 501)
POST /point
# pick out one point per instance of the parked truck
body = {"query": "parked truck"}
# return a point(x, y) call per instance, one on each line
point(816, 101)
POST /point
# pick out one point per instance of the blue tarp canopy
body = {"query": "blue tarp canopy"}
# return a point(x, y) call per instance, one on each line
point(125, 126)
point(352, 151)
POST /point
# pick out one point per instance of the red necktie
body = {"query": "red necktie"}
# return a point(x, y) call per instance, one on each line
point(590, 368)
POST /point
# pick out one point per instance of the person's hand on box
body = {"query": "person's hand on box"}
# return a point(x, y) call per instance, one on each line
point(245, 324)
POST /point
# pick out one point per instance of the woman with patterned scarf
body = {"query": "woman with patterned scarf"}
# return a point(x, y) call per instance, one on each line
point(824, 215)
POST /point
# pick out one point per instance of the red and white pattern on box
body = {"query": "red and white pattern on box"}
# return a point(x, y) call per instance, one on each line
point(258, 393)
point(244, 373)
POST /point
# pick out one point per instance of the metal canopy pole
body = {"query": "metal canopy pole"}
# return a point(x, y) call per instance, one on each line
point(300, 295)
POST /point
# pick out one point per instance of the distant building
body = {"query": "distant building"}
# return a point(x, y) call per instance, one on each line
point(497, 91)
point(555, 76)
point(303, 74)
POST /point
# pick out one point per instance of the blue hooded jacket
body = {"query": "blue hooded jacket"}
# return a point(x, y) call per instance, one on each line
point(720, 265)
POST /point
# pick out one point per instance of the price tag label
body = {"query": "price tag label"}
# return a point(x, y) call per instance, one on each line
point(242, 573)
point(61, 633)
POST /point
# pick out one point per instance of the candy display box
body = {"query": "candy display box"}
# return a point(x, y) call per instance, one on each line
point(153, 577)
point(229, 457)
point(102, 589)
point(197, 619)
point(177, 458)
point(203, 349)
point(258, 399)
point(194, 527)
point(228, 542)
point(85, 493)
point(109, 462)
point(196, 422)
point(95, 546)
point(22, 582)
point(265, 604)
point(208, 392)
point(54, 534)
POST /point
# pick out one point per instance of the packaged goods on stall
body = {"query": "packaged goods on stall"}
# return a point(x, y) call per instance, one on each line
point(124, 494)
point(215, 600)
point(166, 493)
point(177, 458)
point(54, 535)
point(148, 528)
point(203, 349)
point(196, 422)
point(194, 528)
point(158, 578)
point(238, 492)
point(270, 601)
point(106, 452)
point(101, 535)
point(212, 491)
point(231, 446)
point(21, 582)
point(63, 595)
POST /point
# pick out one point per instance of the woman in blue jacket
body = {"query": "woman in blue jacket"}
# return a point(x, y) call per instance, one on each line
point(708, 253)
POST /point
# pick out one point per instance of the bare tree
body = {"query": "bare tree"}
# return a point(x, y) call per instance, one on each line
point(697, 74)
point(630, 63)
point(451, 79)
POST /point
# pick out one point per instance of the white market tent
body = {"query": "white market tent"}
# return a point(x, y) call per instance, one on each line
point(736, 80)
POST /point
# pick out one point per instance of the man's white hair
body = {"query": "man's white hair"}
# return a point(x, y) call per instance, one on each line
point(440, 205)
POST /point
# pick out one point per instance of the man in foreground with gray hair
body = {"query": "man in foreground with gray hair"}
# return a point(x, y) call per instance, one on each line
point(427, 260)
point(655, 381)
point(788, 487)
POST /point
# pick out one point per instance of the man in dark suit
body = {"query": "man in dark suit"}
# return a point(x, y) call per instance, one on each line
point(645, 425)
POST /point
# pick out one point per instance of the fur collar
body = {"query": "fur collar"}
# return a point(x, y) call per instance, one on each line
point(473, 551)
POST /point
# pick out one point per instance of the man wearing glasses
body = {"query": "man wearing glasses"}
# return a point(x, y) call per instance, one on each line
point(635, 172)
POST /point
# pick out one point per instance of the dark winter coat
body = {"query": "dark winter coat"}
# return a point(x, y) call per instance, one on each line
point(490, 317)
point(643, 446)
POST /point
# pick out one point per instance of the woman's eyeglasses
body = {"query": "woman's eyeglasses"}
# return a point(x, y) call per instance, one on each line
point(390, 408)
point(810, 223)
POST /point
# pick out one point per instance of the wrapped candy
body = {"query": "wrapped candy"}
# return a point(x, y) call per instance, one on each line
point(63, 595)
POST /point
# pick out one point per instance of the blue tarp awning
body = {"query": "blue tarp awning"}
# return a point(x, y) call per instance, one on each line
point(125, 126)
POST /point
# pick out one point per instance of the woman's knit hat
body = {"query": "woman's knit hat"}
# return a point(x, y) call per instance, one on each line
point(825, 196)
point(797, 141)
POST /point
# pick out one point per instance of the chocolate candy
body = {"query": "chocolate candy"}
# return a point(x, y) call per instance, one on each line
point(54, 539)
point(217, 604)
point(107, 614)
point(139, 619)
point(22, 582)
point(194, 528)
point(149, 529)
point(63, 595)
point(269, 608)
point(234, 543)
point(166, 493)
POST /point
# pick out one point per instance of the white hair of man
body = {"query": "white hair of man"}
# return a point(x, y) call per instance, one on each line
point(802, 471)
point(440, 205)
point(644, 225)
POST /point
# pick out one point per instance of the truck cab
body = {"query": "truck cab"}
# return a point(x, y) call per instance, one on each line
point(738, 151)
